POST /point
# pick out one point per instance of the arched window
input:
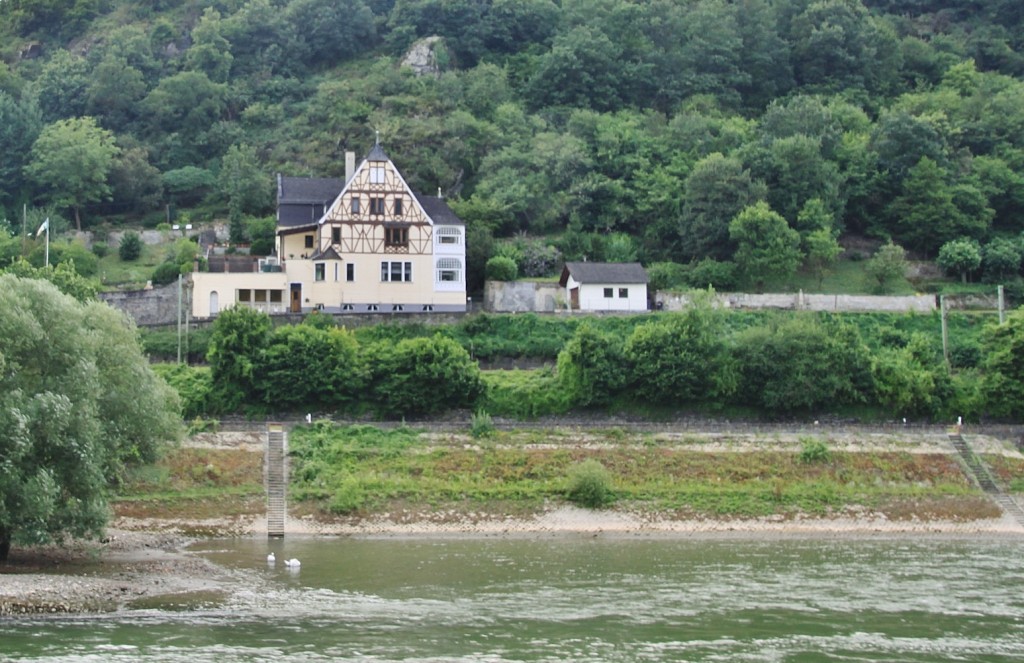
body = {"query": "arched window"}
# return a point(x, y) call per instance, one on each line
point(214, 304)
point(449, 270)
point(449, 235)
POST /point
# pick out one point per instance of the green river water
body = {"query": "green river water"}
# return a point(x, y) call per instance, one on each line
point(572, 599)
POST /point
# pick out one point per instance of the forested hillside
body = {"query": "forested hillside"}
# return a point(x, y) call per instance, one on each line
point(749, 135)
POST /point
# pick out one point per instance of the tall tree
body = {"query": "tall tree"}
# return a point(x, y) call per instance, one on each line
point(70, 162)
point(716, 190)
point(925, 215)
point(766, 246)
point(20, 124)
point(78, 404)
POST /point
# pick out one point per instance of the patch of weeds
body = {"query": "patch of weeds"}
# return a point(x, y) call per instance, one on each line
point(590, 485)
point(814, 451)
point(481, 425)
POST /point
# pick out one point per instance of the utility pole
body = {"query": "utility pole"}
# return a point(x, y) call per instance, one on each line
point(179, 318)
point(945, 329)
point(1002, 305)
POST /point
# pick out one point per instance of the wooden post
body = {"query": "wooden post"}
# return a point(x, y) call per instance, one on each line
point(1002, 305)
point(945, 329)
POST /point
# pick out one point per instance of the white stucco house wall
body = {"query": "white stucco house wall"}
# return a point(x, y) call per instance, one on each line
point(605, 286)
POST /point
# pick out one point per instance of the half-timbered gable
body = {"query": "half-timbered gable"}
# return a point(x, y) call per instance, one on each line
point(367, 243)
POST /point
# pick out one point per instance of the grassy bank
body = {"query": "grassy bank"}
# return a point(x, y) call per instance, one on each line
point(361, 471)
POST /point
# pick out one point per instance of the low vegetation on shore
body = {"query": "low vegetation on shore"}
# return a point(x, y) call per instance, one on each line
point(363, 471)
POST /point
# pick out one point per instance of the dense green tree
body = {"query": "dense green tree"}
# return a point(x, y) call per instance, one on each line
point(888, 265)
point(1001, 260)
point(135, 183)
point(61, 274)
point(239, 338)
point(925, 214)
point(332, 30)
point(795, 172)
point(1003, 367)
point(60, 89)
point(245, 185)
point(78, 404)
point(821, 250)
point(960, 256)
point(802, 364)
point(764, 56)
point(766, 246)
point(716, 190)
point(680, 359)
point(423, 376)
point(114, 90)
point(837, 45)
point(130, 247)
point(20, 124)
point(71, 160)
point(210, 52)
point(583, 69)
point(303, 367)
point(906, 382)
point(590, 367)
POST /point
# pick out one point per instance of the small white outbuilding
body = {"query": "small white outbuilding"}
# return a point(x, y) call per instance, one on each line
point(605, 286)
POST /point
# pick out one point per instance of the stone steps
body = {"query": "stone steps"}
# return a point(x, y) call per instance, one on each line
point(276, 473)
point(984, 478)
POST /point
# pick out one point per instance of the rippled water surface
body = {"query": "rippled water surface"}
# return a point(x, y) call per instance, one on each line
point(573, 599)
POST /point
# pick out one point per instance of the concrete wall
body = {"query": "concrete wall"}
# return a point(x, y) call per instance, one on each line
point(149, 307)
point(541, 297)
point(802, 301)
point(516, 296)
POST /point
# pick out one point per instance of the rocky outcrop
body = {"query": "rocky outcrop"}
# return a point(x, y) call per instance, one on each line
point(422, 56)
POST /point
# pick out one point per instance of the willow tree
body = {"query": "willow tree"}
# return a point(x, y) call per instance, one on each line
point(78, 405)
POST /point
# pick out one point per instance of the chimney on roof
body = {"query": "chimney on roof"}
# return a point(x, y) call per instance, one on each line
point(350, 166)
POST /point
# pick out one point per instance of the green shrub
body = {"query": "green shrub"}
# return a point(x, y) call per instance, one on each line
point(130, 247)
point(100, 250)
point(590, 485)
point(481, 425)
point(348, 497)
point(814, 451)
point(165, 273)
point(500, 268)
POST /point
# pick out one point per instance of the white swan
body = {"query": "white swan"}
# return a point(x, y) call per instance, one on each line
point(292, 563)
point(271, 559)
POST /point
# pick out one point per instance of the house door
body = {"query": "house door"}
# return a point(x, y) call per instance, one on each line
point(574, 299)
point(214, 304)
point(296, 299)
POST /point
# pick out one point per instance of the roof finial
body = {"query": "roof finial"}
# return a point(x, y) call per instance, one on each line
point(439, 192)
point(378, 137)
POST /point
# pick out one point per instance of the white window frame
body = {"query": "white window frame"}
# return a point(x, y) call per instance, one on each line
point(319, 271)
point(451, 266)
point(449, 236)
point(376, 174)
point(395, 271)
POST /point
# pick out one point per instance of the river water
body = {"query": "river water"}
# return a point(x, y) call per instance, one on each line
point(572, 599)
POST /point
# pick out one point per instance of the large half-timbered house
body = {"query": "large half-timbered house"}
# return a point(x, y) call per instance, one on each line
point(367, 243)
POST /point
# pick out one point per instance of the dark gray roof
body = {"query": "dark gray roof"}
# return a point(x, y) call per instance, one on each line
point(302, 200)
point(308, 189)
point(377, 154)
point(329, 254)
point(603, 272)
point(438, 211)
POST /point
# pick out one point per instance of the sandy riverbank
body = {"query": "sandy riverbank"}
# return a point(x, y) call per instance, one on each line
point(143, 560)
